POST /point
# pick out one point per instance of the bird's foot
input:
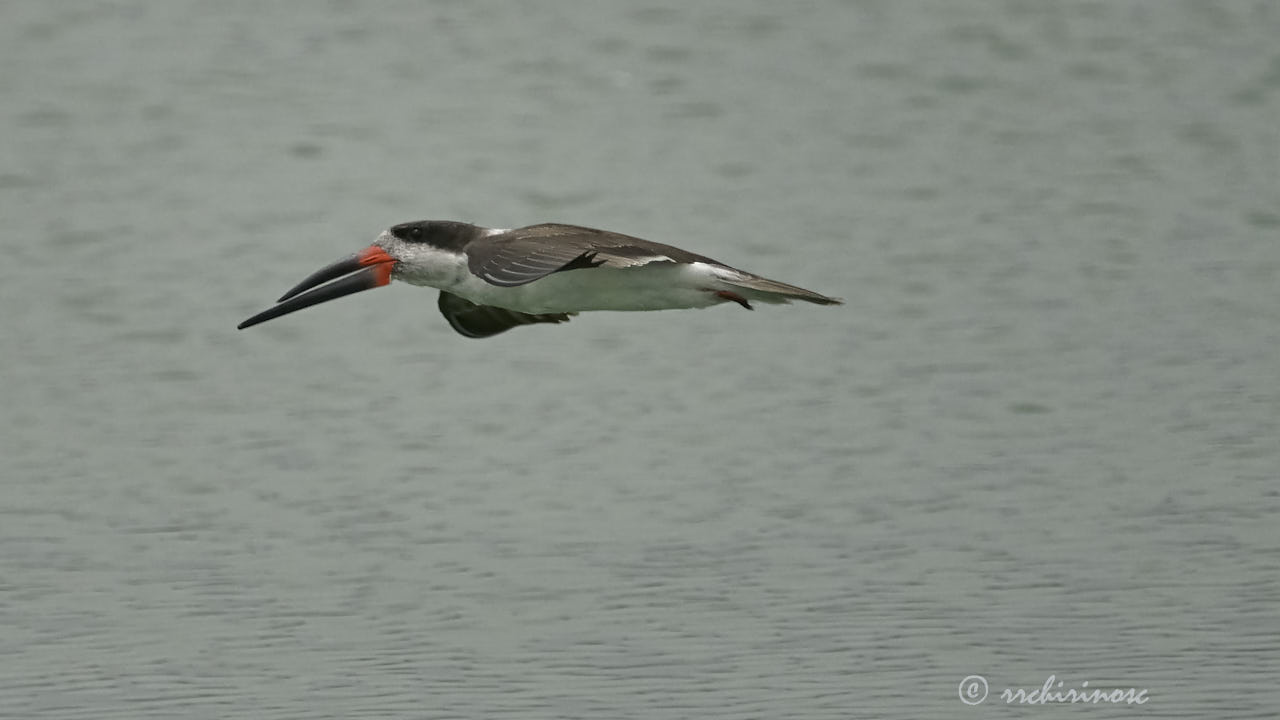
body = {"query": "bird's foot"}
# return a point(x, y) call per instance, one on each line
point(728, 295)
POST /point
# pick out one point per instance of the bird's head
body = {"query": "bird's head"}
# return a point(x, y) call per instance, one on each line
point(411, 251)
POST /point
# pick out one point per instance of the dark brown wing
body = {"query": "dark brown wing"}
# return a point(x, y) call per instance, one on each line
point(482, 321)
point(521, 256)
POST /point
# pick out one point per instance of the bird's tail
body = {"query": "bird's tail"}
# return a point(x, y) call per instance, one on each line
point(754, 287)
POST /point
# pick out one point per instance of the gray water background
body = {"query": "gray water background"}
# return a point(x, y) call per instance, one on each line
point(1043, 435)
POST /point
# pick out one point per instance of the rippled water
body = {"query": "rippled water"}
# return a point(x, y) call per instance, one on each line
point(1041, 437)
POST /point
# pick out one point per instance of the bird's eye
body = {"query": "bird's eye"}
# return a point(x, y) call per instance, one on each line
point(408, 232)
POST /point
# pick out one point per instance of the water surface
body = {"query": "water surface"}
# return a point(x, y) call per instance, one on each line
point(1040, 438)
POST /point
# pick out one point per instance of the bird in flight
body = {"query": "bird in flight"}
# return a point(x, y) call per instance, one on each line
point(491, 280)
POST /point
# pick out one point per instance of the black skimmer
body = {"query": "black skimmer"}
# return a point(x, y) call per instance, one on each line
point(491, 280)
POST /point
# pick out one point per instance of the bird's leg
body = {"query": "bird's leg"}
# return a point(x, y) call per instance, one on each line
point(727, 295)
